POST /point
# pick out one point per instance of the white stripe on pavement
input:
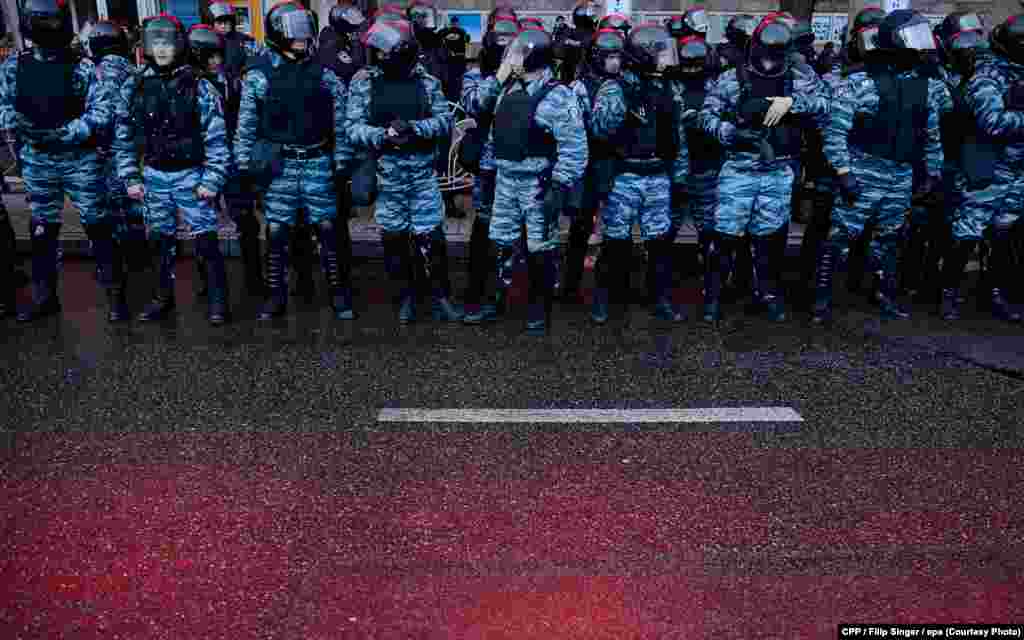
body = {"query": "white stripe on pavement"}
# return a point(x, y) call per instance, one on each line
point(721, 414)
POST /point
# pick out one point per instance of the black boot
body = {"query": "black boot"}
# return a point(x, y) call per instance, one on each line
point(953, 264)
point(433, 250)
point(714, 253)
point(939, 240)
point(341, 297)
point(249, 245)
point(209, 247)
point(135, 250)
point(580, 229)
point(506, 260)
point(302, 260)
point(479, 268)
point(810, 245)
point(662, 257)
point(45, 301)
point(165, 248)
point(741, 274)
point(765, 249)
point(8, 249)
point(1000, 266)
point(398, 258)
point(202, 275)
point(536, 312)
point(857, 263)
point(343, 235)
point(888, 293)
point(615, 258)
point(821, 312)
point(110, 268)
point(913, 259)
point(278, 241)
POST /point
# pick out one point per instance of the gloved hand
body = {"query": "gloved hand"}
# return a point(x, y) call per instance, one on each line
point(848, 187)
point(399, 134)
point(554, 203)
point(679, 197)
point(1015, 97)
point(754, 110)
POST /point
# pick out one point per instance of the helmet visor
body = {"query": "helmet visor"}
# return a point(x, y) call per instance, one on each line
point(352, 17)
point(917, 37)
point(296, 25)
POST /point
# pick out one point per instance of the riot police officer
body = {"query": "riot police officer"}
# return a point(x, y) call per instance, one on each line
point(882, 119)
point(43, 100)
point(756, 111)
point(240, 48)
point(338, 46)
point(398, 110)
point(733, 51)
point(185, 162)
point(294, 102)
point(573, 48)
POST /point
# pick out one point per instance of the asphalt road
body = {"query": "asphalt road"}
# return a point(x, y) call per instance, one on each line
point(177, 481)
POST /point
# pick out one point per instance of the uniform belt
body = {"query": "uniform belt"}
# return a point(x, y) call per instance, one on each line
point(304, 153)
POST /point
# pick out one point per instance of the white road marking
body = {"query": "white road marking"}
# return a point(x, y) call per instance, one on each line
point(712, 414)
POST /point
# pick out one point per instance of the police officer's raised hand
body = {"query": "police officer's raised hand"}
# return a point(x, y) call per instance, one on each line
point(136, 191)
point(780, 107)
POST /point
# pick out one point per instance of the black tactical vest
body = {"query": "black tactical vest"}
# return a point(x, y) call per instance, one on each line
point(234, 52)
point(784, 137)
point(297, 109)
point(704, 150)
point(46, 92)
point(655, 139)
point(169, 110)
point(897, 130)
point(965, 145)
point(403, 99)
point(517, 136)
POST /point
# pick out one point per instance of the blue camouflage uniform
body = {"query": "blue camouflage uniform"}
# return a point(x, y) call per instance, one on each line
point(483, 193)
point(885, 184)
point(700, 180)
point(63, 160)
point(755, 194)
point(524, 186)
point(409, 200)
point(641, 190)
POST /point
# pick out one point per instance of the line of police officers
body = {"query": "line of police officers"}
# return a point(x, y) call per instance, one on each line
point(645, 125)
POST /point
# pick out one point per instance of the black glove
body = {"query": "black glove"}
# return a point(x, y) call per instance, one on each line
point(554, 203)
point(848, 187)
point(1015, 97)
point(754, 110)
point(679, 197)
point(405, 135)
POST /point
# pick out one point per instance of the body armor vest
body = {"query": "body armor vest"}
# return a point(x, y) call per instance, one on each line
point(705, 151)
point(46, 92)
point(965, 146)
point(297, 110)
point(656, 137)
point(403, 99)
point(517, 136)
point(784, 137)
point(896, 131)
point(171, 120)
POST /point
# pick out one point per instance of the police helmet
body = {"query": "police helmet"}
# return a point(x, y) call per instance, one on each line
point(389, 13)
point(769, 46)
point(616, 21)
point(867, 17)
point(693, 56)
point(223, 12)
point(203, 44)
point(586, 14)
point(1008, 39)
point(501, 8)
point(531, 50)
point(289, 22)
point(739, 30)
point(423, 15)
point(47, 23)
point(108, 39)
point(606, 52)
point(531, 23)
point(162, 31)
point(345, 19)
point(392, 47)
point(651, 49)
point(905, 30)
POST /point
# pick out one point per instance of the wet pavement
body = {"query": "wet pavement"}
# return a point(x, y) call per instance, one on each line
point(179, 481)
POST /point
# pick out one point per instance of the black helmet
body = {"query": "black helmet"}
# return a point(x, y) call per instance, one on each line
point(533, 48)
point(289, 22)
point(739, 30)
point(532, 23)
point(867, 17)
point(345, 19)
point(221, 11)
point(616, 21)
point(1008, 39)
point(47, 23)
point(607, 51)
point(392, 47)
point(651, 49)
point(108, 39)
point(769, 46)
point(906, 30)
point(960, 31)
point(803, 35)
point(203, 43)
point(695, 23)
point(163, 30)
point(586, 14)
point(693, 56)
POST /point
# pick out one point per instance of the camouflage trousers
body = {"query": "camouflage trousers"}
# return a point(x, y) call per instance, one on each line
point(753, 197)
point(49, 175)
point(637, 199)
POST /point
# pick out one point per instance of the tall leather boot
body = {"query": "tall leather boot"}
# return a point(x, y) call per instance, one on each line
point(398, 259)
point(135, 250)
point(302, 259)
point(664, 308)
point(777, 257)
point(279, 239)
point(1000, 265)
point(953, 265)
point(765, 249)
point(821, 312)
point(715, 249)
point(857, 262)
point(217, 296)
point(913, 259)
point(480, 261)
point(939, 239)
point(8, 249)
point(815, 234)
point(341, 298)
point(580, 229)
point(202, 288)
point(506, 260)
point(249, 244)
point(536, 313)
point(607, 273)
point(110, 268)
point(45, 301)
point(742, 276)
point(433, 250)
point(165, 248)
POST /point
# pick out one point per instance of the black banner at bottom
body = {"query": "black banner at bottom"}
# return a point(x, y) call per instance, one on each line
point(921, 631)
